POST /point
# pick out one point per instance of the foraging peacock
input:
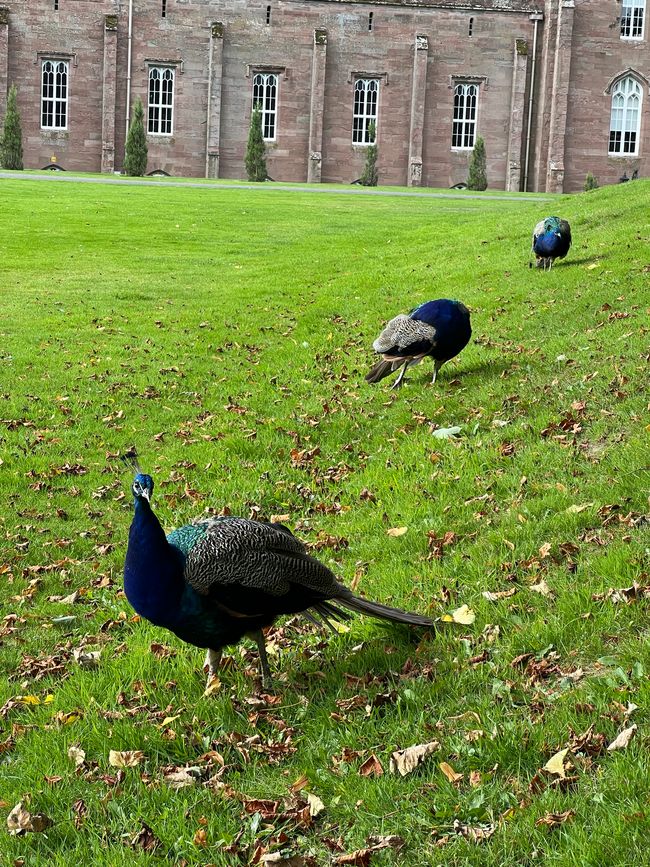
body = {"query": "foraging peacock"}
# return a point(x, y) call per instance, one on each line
point(216, 580)
point(551, 241)
point(439, 328)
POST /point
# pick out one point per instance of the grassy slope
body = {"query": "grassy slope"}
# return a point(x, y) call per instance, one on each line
point(219, 330)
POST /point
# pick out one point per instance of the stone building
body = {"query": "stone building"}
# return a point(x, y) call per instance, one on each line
point(557, 88)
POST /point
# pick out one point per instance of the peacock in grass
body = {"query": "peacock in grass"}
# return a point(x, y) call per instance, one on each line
point(551, 241)
point(216, 580)
point(440, 329)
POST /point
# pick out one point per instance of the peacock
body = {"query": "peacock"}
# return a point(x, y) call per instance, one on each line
point(439, 328)
point(218, 579)
point(551, 241)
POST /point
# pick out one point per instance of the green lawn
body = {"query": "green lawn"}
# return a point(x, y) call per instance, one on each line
point(226, 334)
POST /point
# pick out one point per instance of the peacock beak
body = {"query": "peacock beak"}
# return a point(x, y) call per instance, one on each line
point(146, 493)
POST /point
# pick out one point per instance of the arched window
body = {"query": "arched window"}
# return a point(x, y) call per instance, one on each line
point(464, 127)
point(161, 100)
point(364, 117)
point(265, 98)
point(625, 122)
point(54, 94)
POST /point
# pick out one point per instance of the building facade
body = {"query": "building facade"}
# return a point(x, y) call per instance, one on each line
point(557, 88)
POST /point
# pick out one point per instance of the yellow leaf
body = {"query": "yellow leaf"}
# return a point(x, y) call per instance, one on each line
point(168, 720)
point(555, 765)
point(449, 772)
point(541, 587)
point(214, 685)
point(29, 700)
point(463, 615)
point(575, 509)
point(397, 531)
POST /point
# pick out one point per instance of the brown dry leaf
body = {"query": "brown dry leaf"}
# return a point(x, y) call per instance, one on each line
point(396, 531)
point(450, 773)
point(621, 740)
point(386, 841)
point(20, 821)
point(267, 809)
point(404, 761)
point(545, 550)
point(125, 758)
point(552, 820)
point(371, 767)
point(474, 833)
point(180, 778)
point(213, 686)
point(277, 859)
point(475, 778)
point(201, 838)
point(555, 765)
point(145, 839)
point(301, 783)
point(358, 858)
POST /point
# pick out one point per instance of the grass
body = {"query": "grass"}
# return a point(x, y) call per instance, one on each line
point(226, 334)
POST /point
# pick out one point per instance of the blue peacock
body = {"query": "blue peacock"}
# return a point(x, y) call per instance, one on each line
point(440, 329)
point(218, 579)
point(551, 241)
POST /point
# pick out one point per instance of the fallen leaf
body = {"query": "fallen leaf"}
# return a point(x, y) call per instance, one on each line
point(621, 740)
point(213, 686)
point(316, 806)
point(277, 859)
point(552, 820)
point(475, 778)
point(404, 761)
point(495, 595)
point(474, 833)
point(180, 778)
point(87, 658)
point(541, 587)
point(446, 433)
point(463, 615)
point(575, 509)
point(20, 821)
point(125, 758)
point(545, 550)
point(449, 772)
point(77, 755)
point(201, 838)
point(555, 765)
point(396, 531)
point(145, 839)
point(371, 767)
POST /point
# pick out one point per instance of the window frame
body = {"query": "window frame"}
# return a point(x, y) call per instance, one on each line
point(627, 102)
point(636, 11)
point(463, 125)
point(268, 82)
point(156, 108)
point(52, 99)
point(365, 110)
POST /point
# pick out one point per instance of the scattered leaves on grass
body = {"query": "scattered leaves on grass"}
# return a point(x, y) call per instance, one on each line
point(495, 595)
point(541, 587)
point(20, 821)
point(77, 755)
point(555, 765)
point(622, 740)
point(474, 833)
point(363, 857)
point(371, 767)
point(316, 806)
point(404, 761)
point(145, 839)
point(450, 773)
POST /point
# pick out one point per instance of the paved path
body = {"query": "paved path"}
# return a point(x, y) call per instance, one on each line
point(272, 187)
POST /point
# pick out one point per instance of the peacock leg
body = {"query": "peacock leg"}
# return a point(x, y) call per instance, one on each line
point(400, 378)
point(212, 660)
point(436, 367)
point(267, 680)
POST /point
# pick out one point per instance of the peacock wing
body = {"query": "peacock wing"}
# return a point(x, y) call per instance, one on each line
point(251, 568)
point(404, 336)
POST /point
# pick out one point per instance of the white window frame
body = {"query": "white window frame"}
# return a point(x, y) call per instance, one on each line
point(465, 116)
point(633, 19)
point(55, 79)
point(265, 99)
point(160, 99)
point(365, 111)
point(625, 118)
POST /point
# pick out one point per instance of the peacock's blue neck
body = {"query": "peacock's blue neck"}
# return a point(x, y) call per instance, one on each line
point(153, 573)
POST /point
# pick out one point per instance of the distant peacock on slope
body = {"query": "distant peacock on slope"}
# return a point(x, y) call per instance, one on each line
point(440, 329)
point(216, 580)
point(551, 241)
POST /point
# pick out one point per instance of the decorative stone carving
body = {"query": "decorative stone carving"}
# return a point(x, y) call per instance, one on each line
point(217, 30)
point(421, 42)
point(320, 37)
point(110, 22)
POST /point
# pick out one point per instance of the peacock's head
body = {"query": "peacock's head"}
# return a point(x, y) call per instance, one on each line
point(142, 487)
